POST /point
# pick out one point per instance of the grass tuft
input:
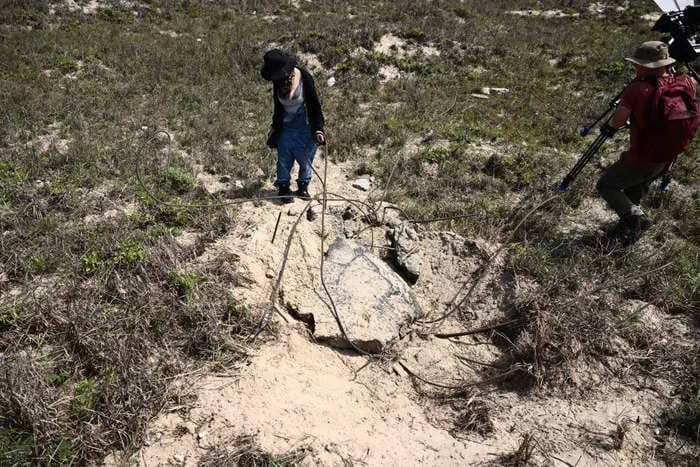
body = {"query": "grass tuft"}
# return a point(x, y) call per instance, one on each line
point(184, 283)
point(247, 454)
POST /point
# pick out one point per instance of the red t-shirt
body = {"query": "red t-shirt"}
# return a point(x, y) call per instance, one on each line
point(638, 98)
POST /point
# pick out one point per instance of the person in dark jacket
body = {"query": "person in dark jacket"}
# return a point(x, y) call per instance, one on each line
point(297, 121)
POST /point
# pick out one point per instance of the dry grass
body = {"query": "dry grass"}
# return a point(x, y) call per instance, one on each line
point(523, 455)
point(91, 380)
point(245, 453)
point(561, 326)
point(471, 413)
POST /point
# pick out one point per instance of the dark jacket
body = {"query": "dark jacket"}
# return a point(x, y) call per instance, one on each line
point(314, 114)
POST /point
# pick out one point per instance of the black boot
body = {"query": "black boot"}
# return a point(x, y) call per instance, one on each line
point(303, 191)
point(632, 228)
point(285, 194)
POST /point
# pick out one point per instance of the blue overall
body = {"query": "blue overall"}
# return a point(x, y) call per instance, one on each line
point(295, 144)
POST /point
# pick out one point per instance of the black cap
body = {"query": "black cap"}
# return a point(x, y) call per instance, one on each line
point(278, 65)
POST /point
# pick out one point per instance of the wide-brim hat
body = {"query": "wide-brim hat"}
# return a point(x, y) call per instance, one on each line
point(277, 65)
point(652, 54)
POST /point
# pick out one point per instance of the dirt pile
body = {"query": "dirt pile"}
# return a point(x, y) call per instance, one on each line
point(425, 399)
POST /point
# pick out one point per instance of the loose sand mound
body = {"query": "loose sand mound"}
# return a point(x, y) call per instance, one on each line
point(339, 408)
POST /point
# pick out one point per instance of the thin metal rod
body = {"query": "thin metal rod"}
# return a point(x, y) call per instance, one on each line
point(276, 225)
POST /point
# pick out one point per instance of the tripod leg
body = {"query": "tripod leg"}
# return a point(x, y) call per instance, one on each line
point(588, 155)
point(583, 160)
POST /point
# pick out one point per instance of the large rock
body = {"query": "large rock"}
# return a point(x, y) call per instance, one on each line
point(406, 253)
point(372, 301)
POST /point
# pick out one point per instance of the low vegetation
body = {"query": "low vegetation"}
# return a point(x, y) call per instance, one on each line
point(101, 306)
point(247, 454)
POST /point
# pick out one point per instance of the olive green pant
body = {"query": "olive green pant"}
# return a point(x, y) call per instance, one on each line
point(622, 186)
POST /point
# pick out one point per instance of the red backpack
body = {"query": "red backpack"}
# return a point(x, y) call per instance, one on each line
point(673, 119)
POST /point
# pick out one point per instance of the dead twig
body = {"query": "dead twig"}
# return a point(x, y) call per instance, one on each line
point(485, 267)
point(477, 362)
point(274, 234)
point(419, 378)
point(275, 289)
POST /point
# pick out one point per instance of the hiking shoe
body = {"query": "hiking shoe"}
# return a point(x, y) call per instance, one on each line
point(303, 191)
point(645, 223)
point(632, 228)
point(285, 194)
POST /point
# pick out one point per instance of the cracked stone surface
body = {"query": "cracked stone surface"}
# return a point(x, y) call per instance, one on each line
point(406, 251)
point(372, 300)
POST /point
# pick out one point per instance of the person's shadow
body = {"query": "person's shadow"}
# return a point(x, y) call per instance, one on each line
point(256, 192)
point(602, 241)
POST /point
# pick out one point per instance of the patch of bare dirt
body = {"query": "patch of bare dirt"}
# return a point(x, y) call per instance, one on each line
point(389, 73)
point(590, 215)
point(392, 45)
point(298, 393)
point(395, 46)
point(312, 62)
point(543, 13)
point(90, 7)
point(50, 140)
point(343, 409)
point(119, 211)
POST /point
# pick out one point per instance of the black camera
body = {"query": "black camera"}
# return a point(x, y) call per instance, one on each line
point(682, 28)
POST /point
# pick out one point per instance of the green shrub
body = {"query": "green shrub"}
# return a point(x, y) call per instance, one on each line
point(11, 313)
point(83, 402)
point(141, 218)
point(522, 168)
point(313, 42)
point(415, 33)
point(56, 188)
point(176, 213)
point(409, 65)
point(65, 65)
point(110, 374)
point(611, 71)
point(184, 283)
point(128, 254)
point(90, 261)
point(59, 378)
point(178, 180)
point(12, 173)
point(463, 12)
point(454, 152)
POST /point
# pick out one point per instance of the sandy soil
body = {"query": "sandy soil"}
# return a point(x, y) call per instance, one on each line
point(346, 409)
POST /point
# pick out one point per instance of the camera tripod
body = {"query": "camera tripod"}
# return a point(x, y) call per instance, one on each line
point(681, 21)
point(607, 132)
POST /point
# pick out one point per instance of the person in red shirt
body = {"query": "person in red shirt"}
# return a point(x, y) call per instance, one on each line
point(623, 184)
